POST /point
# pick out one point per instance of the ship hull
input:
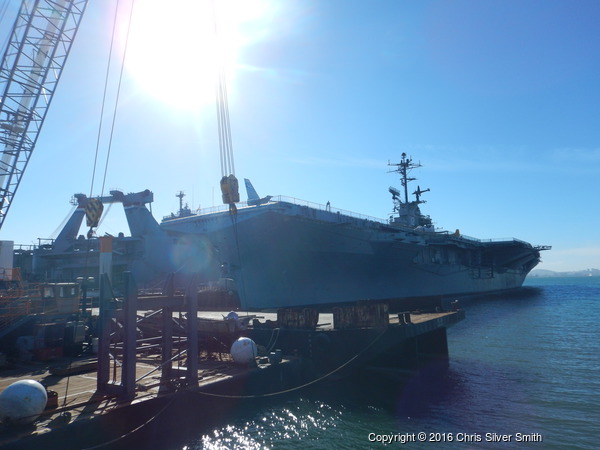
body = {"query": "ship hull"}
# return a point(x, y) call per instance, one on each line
point(283, 255)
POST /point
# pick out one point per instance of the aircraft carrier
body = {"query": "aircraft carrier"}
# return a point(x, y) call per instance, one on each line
point(276, 252)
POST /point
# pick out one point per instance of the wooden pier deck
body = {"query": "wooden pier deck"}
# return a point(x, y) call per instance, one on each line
point(77, 400)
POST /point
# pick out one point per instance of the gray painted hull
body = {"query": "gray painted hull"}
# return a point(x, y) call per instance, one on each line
point(285, 255)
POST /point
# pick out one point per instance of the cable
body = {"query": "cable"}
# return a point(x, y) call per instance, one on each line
point(224, 127)
point(242, 396)
point(302, 386)
point(70, 363)
point(112, 129)
point(105, 214)
point(136, 429)
point(237, 246)
point(272, 342)
point(3, 8)
point(58, 229)
point(104, 96)
point(114, 116)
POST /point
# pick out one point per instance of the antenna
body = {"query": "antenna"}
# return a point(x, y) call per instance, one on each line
point(403, 168)
point(418, 193)
point(180, 196)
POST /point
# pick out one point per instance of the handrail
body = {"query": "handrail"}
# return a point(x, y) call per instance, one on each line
point(282, 199)
point(342, 212)
point(321, 207)
point(470, 238)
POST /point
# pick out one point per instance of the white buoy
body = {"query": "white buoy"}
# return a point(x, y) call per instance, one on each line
point(244, 350)
point(22, 402)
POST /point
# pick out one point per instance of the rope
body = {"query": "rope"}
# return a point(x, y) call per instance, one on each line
point(241, 396)
point(302, 386)
point(136, 429)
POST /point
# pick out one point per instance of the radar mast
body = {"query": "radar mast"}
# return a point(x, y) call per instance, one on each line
point(408, 212)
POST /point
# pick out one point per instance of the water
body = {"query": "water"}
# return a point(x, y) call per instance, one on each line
point(523, 364)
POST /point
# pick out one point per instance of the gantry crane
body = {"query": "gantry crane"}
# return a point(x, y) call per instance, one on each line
point(32, 64)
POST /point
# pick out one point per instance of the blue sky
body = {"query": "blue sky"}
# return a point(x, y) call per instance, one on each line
point(499, 100)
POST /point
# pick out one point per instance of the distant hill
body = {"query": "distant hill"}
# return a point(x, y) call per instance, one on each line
point(577, 273)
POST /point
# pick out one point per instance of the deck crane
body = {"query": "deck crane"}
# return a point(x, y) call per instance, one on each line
point(32, 64)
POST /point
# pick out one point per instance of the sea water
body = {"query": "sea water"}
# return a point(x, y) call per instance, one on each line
point(523, 373)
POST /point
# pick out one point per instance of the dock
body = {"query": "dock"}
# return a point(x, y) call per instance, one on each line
point(136, 387)
point(81, 417)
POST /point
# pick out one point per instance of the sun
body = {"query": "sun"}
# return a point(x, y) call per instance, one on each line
point(174, 53)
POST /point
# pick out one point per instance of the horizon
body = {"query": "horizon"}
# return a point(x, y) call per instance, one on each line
point(591, 269)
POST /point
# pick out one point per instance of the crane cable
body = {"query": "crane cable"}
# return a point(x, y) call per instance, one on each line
point(225, 141)
point(114, 118)
point(3, 8)
point(229, 183)
point(94, 207)
point(106, 78)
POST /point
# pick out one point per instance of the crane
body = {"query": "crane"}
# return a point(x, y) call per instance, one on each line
point(32, 64)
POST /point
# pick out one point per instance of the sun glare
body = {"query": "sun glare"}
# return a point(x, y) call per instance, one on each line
point(173, 52)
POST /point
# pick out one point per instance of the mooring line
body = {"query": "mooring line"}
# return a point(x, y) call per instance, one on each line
point(271, 394)
point(302, 386)
point(136, 429)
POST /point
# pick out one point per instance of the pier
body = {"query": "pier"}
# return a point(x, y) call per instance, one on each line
point(156, 370)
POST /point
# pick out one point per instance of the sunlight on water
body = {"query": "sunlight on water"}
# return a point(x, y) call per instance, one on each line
point(523, 364)
point(293, 423)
